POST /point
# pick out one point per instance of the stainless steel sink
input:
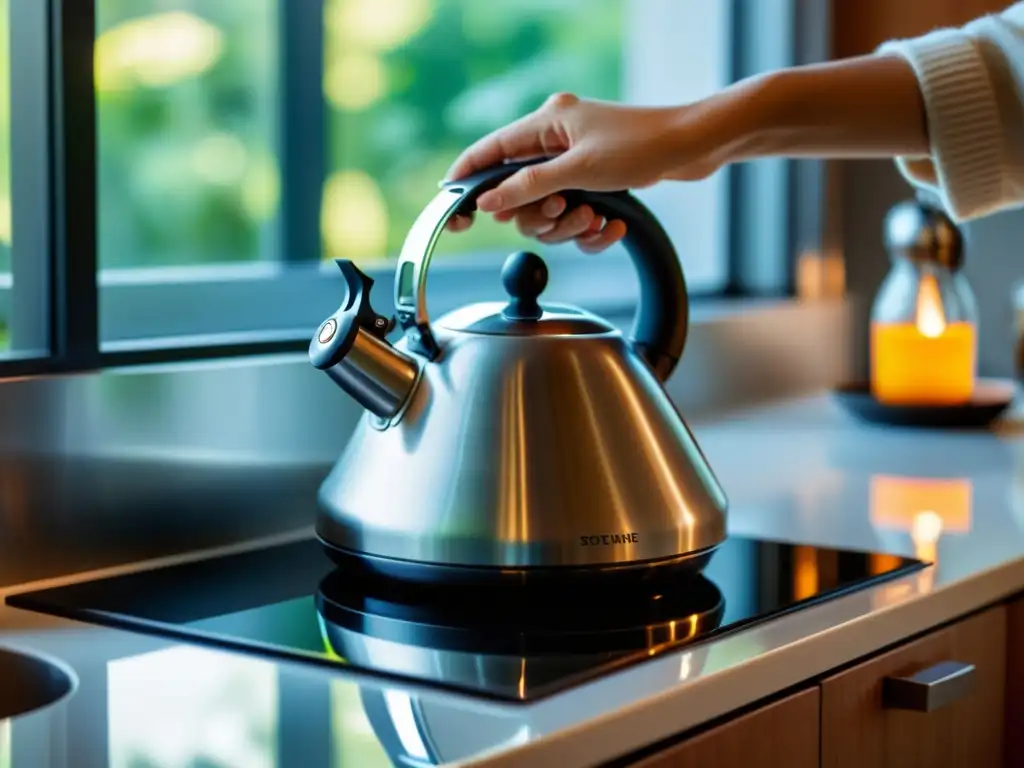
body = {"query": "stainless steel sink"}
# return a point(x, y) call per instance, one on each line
point(29, 682)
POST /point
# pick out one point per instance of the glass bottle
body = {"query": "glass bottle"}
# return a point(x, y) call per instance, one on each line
point(924, 318)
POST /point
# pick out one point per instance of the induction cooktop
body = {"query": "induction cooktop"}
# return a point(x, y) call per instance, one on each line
point(512, 644)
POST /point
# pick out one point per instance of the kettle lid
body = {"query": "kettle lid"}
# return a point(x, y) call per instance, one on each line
point(524, 277)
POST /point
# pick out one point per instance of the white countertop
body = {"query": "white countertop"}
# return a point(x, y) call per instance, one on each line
point(799, 471)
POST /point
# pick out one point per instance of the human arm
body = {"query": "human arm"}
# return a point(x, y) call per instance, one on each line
point(864, 107)
point(948, 105)
point(972, 81)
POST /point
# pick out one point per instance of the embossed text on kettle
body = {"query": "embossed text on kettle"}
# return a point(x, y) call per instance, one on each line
point(609, 538)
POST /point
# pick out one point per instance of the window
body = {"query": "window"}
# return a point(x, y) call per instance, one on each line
point(23, 315)
point(409, 83)
point(220, 155)
point(5, 148)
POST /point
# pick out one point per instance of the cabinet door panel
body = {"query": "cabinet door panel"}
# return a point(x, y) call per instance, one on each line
point(1015, 685)
point(782, 734)
point(866, 720)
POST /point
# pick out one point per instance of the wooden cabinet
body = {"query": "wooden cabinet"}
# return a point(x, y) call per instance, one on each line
point(954, 697)
point(859, 728)
point(784, 733)
point(1015, 684)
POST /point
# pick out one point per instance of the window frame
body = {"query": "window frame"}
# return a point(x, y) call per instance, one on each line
point(55, 213)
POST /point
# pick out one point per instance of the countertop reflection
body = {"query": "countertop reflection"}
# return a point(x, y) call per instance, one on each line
point(798, 471)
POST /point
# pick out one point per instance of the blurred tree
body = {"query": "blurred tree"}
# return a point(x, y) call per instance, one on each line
point(186, 97)
point(468, 68)
point(187, 100)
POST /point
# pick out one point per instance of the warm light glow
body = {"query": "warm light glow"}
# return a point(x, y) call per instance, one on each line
point(926, 528)
point(880, 563)
point(925, 533)
point(805, 576)
point(897, 501)
point(820, 276)
point(931, 318)
point(354, 217)
point(678, 631)
point(686, 665)
point(908, 367)
point(156, 50)
point(927, 509)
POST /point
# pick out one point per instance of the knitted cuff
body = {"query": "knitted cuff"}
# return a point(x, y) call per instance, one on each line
point(964, 126)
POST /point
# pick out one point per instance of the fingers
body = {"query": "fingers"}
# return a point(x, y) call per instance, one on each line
point(459, 223)
point(596, 241)
point(548, 222)
point(519, 139)
point(530, 184)
point(571, 225)
point(531, 221)
point(538, 218)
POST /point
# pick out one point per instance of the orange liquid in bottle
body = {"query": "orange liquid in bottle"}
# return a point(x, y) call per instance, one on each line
point(909, 368)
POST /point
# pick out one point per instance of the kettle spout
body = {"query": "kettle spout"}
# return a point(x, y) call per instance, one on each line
point(375, 374)
point(351, 348)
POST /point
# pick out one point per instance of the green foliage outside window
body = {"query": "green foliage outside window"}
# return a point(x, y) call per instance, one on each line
point(188, 99)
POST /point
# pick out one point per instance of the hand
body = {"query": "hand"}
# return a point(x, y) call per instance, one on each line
point(592, 145)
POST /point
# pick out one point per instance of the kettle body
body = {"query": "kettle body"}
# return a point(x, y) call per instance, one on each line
point(503, 441)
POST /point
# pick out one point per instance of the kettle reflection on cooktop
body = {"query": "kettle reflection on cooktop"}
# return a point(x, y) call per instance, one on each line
point(513, 642)
point(500, 642)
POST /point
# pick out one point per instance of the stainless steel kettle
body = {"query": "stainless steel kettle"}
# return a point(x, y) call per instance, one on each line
point(519, 439)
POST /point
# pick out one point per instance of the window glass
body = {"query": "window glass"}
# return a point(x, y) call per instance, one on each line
point(6, 233)
point(189, 103)
point(186, 106)
point(409, 83)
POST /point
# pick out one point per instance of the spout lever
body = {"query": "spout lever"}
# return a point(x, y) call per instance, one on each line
point(351, 347)
point(338, 332)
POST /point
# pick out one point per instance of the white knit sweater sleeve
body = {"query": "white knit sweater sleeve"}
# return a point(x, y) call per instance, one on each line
point(972, 81)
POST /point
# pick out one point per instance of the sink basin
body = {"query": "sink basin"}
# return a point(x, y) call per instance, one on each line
point(30, 682)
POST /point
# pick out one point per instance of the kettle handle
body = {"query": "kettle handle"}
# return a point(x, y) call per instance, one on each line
point(660, 326)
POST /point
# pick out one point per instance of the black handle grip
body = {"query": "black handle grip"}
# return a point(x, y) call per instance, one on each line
point(662, 319)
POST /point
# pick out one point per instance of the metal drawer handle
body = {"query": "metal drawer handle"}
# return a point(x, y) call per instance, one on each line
point(929, 689)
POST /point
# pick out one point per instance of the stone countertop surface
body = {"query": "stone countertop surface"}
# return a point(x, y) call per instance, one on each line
point(799, 470)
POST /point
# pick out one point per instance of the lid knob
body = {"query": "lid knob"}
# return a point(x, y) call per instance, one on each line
point(525, 276)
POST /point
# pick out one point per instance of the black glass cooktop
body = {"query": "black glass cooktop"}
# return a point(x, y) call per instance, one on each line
point(516, 644)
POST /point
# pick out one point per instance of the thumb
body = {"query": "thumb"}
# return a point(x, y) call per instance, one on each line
point(530, 184)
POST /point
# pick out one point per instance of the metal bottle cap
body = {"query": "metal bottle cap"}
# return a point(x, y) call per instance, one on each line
point(921, 231)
